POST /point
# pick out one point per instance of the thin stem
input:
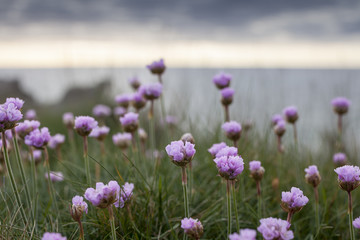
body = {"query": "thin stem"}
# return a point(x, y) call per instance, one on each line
point(81, 230)
point(12, 179)
point(258, 187)
point(190, 181)
point(290, 214)
point(317, 216)
point(184, 184)
point(112, 222)
point(295, 134)
point(280, 149)
point(350, 212)
point(227, 114)
point(151, 111)
point(86, 160)
point(22, 172)
point(339, 124)
point(235, 204)
point(235, 143)
point(228, 197)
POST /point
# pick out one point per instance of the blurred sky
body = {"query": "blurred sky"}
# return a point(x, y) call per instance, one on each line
point(187, 33)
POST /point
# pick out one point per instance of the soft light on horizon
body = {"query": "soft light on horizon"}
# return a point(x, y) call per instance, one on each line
point(90, 53)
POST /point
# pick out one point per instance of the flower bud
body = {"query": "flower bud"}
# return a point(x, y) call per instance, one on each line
point(279, 128)
point(79, 206)
point(192, 227)
point(188, 137)
point(291, 114)
point(312, 176)
point(348, 177)
point(227, 96)
point(294, 200)
point(256, 170)
point(340, 105)
point(180, 153)
point(232, 130)
point(130, 122)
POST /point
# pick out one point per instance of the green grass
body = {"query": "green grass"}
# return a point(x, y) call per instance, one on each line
point(157, 205)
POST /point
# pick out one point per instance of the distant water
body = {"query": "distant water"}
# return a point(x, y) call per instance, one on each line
point(260, 93)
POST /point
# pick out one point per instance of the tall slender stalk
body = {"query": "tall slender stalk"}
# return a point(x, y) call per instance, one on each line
point(86, 160)
point(34, 181)
point(81, 230)
point(295, 134)
point(339, 124)
point(112, 222)
point(258, 187)
point(51, 187)
point(184, 184)
point(227, 114)
point(350, 212)
point(22, 172)
point(228, 197)
point(12, 179)
point(235, 204)
point(317, 216)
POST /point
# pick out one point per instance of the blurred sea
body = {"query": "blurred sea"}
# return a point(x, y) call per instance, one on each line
point(260, 93)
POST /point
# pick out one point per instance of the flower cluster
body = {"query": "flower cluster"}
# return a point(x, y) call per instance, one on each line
point(138, 101)
point(222, 80)
point(291, 114)
point(56, 141)
point(340, 105)
point(84, 125)
point(275, 229)
point(104, 195)
point(245, 234)
point(215, 148)
point(30, 114)
point(123, 100)
point(229, 167)
point(348, 177)
point(24, 128)
point(227, 96)
point(122, 140)
point(10, 113)
point(340, 159)
point(180, 153)
point(256, 170)
point(279, 128)
point(276, 118)
point(192, 227)
point(52, 236)
point(124, 195)
point(79, 206)
point(100, 133)
point(130, 122)
point(294, 200)
point(227, 151)
point(312, 175)
point(68, 119)
point(232, 130)
point(151, 91)
point(134, 82)
point(157, 67)
point(101, 111)
point(38, 138)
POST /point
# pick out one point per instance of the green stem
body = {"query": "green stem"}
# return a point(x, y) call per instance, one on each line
point(112, 222)
point(12, 179)
point(228, 207)
point(259, 198)
point(352, 233)
point(317, 216)
point(22, 172)
point(81, 230)
point(34, 181)
point(184, 184)
point(235, 204)
point(86, 160)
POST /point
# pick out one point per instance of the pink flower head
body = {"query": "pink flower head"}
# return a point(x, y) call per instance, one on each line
point(124, 195)
point(16, 101)
point(280, 128)
point(101, 111)
point(56, 141)
point(215, 148)
point(312, 175)
point(68, 119)
point(79, 206)
point(55, 176)
point(30, 114)
point(227, 151)
point(291, 114)
point(122, 140)
point(275, 229)
point(123, 100)
point(84, 125)
point(52, 236)
point(171, 120)
point(245, 234)
point(24, 128)
point(229, 167)
point(276, 118)
point(180, 153)
point(10, 114)
point(134, 82)
point(340, 158)
point(104, 195)
point(157, 67)
point(348, 177)
point(38, 138)
point(356, 223)
point(227, 95)
point(151, 91)
point(232, 130)
point(100, 133)
point(222, 80)
point(340, 105)
point(138, 101)
point(119, 111)
point(130, 122)
point(294, 200)
point(192, 227)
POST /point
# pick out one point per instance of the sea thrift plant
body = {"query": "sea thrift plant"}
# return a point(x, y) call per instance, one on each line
point(232, 130)
point(68, 119)
point(55, 176)
point(124, 195)
point(257, 173)
point(226, 99)
point(227, 151)
point(100, 133)
point(134, 82)
point(341, 106)
point(79, 206)
point(313, 178)
point(180, 153)
point(356, 223)
point(119, 112)
point(215, 148)
point(122, 140)
point(293, 201)
point(151, 92)
point(123, 100)
point(56, 141)
point(291, 116)
point(245, 234)
point(38, 138)
point(340, 159)
point(104, 196)
point(138, 101)
point(130, 122)
point(222, 80)
point(52, 236)
point(349, 180)
point(192, 228)
point(158, 68)
point(279, 130)
point(275, 229)
point(30, 114)
point(101, 111)
point(10, 113)
point(229, 167)
point(275, 119)
point(24, 128)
